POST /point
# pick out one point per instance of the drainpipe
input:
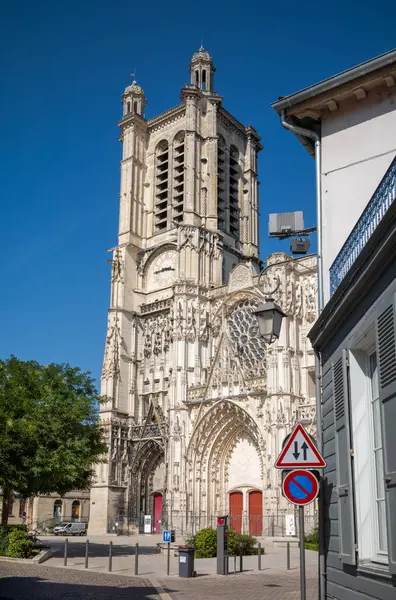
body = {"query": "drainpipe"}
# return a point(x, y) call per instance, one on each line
point(307, 133)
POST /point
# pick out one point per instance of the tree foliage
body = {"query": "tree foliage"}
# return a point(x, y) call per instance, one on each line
point(50, 436)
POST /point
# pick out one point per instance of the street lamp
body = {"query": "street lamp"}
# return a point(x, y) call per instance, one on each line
point(269, 317)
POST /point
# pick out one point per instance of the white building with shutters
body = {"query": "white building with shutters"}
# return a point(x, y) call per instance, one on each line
point(197, 404)
point(354, 115)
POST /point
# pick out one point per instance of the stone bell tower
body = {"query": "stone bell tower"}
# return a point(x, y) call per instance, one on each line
point(188, 216)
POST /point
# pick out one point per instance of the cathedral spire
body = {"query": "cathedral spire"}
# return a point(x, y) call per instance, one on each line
point(202, 70)
point(133, 99)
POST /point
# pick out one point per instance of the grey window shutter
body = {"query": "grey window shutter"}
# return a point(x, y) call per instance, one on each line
point(346, 525)
point(386, 350)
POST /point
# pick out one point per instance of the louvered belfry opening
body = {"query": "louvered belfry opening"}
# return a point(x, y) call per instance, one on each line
point(234, 184)
point(221, 183)
point(161, 186)
point(178, 178)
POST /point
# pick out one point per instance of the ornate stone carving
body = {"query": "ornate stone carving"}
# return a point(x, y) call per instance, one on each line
point(142, 259)
point(114, 341)
point(226, 375)
point(156, 306)
point(190, 330)
point(117, 267)
point(240, 278)
point(203, 323)
point(158, 334)
point(310, 299)
point(177, 430)
point(188, 237)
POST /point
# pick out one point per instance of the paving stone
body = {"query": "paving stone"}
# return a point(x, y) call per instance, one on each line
point(258, 586)
point(30, 582)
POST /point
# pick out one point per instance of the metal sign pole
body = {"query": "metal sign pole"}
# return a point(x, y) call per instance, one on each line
point(300, 486)
point(303, 591)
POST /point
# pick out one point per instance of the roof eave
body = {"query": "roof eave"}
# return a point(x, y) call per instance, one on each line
point(335, 81)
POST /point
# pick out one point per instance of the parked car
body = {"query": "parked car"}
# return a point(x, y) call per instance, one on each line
point(70, 529)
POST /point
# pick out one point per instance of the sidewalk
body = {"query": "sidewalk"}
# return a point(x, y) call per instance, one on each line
point(152, 563)
point(26, 582)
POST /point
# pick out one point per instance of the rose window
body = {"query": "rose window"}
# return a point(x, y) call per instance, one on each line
point(246, 338)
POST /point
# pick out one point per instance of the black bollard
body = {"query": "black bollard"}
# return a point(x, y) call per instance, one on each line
point(288, 555)
point(240, 559)
point(110, 555)
point(259, 556)
point(234, 564)
point(65, 555)
point(136, 559)
point(86, 553)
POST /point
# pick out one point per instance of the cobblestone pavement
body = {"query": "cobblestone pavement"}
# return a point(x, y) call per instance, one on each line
point(23, 581)
point(20, 581)
point(284, 585)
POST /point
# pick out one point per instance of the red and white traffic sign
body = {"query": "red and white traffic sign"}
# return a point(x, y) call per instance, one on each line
point(300, 487)
point(300, 452)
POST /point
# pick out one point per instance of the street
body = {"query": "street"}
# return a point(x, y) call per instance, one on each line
point(20, 581)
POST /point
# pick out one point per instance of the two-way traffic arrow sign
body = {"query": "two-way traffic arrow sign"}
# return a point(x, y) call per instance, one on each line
point(300, 452)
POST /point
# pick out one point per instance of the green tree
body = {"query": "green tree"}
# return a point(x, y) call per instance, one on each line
point(50, 436)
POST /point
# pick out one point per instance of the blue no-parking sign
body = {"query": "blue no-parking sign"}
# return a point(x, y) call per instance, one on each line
point(166, 536)
point(300, 487)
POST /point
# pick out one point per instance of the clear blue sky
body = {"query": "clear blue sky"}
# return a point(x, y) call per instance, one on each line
point(64, 65)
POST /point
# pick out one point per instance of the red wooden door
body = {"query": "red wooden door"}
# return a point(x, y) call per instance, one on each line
point(255, 513)
point(236, 507)
point(157, 513)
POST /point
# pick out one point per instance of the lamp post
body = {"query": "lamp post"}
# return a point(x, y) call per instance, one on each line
point(269, 314)
point(269, 318)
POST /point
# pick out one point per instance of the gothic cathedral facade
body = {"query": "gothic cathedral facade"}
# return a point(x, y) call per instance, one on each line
point(197, 405)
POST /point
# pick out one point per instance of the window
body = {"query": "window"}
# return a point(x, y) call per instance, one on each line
point(76, 509)
point(368, 468)
point(204, 80)
point(135, 107)
point(22, 507)
point(58, 510)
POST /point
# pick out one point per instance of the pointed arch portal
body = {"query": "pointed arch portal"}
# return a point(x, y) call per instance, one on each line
point(149, 455)
point(209, 454)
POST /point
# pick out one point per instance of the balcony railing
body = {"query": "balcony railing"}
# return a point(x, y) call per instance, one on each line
point(383, 197)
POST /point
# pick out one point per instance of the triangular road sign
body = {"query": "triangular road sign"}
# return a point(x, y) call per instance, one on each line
point(300, 452)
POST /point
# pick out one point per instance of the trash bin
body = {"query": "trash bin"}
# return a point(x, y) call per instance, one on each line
point(186, 561)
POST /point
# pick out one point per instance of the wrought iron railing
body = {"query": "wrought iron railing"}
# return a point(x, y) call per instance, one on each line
point(271, 525)
point(383, 197)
